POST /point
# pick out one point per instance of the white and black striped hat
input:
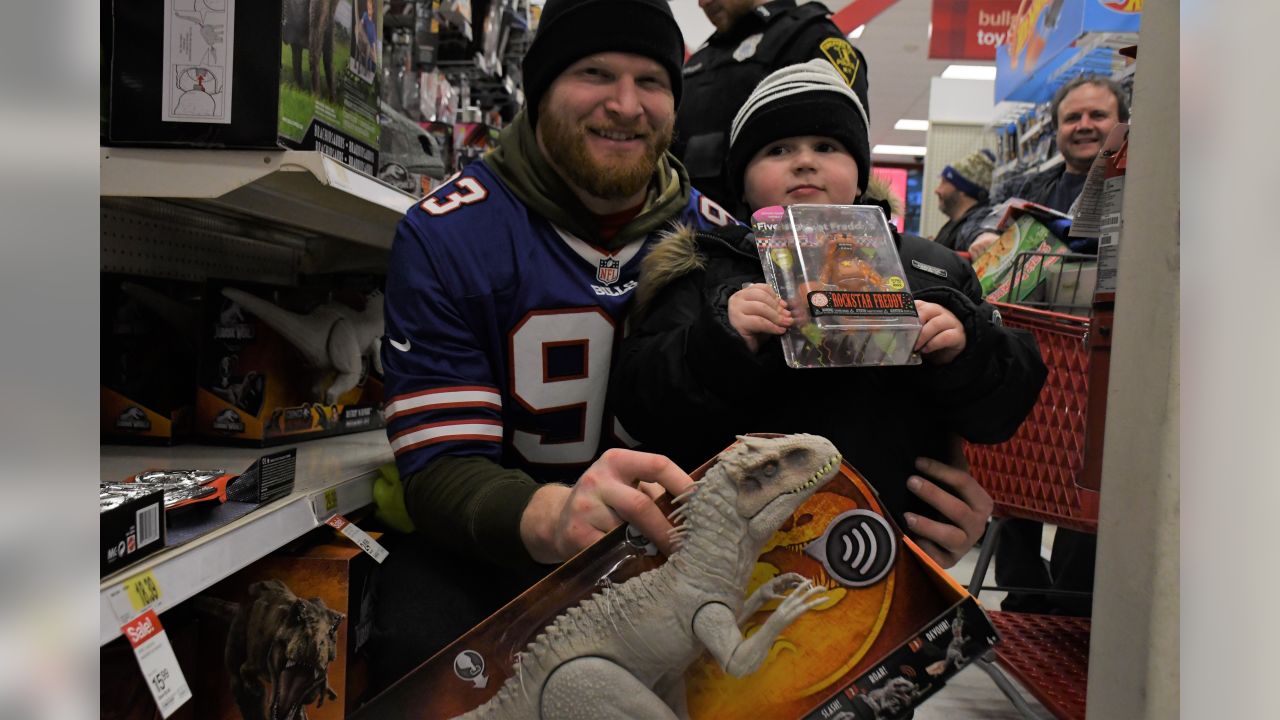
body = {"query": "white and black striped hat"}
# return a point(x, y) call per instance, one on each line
point(809, 98)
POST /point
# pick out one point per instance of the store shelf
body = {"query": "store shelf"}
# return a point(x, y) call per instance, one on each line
point(302, 189)
point(333, 475)
point(1052, 162)
point(1033, 131)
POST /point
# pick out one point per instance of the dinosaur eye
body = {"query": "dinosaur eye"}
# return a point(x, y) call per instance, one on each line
point(798, 456)
point(771, 468)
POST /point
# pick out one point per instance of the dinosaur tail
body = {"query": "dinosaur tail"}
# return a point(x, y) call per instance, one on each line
point(218, 608)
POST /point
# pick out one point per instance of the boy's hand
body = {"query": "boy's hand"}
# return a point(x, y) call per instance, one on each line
point(941, 333)
point(968, 512)
point(755, 312)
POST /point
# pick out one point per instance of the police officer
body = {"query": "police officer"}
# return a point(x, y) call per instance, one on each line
point(752, 39)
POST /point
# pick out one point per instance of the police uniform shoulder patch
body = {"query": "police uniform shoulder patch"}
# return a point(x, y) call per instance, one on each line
point(842, 55)
point(747, 47)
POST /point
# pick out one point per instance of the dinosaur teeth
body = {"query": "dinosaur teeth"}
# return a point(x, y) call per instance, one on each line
point(817, 476)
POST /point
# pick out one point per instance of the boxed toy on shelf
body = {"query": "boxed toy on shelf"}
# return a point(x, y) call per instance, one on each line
point(157, 508)
point(837, 266)
point(281, 638)
point(283, 364)
point(131, 526)
point(312, 607)
point(298, 73)
point(148, 358)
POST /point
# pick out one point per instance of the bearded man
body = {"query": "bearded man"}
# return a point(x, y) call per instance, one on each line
point(963, 197)
point(505, 292)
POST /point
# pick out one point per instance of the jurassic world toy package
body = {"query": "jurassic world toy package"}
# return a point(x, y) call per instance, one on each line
point(285, 364)
point(235, 74)
point(837, 267)
point(284, 637)
point(148, 360)
point(840, 615)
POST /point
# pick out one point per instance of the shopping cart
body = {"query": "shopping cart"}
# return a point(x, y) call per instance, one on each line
point(1059, 282)
point(1048, 471)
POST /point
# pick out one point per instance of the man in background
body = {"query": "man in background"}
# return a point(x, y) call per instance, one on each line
point(1084, 111)
point(752, 39)
point(963, 197)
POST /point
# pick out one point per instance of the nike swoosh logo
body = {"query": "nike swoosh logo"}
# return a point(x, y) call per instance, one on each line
point(401, 346)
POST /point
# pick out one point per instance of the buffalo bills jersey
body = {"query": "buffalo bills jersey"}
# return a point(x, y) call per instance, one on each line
point(500, 329)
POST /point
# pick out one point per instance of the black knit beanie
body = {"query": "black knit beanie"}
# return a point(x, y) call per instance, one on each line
point(570, 30)
point(805, 99)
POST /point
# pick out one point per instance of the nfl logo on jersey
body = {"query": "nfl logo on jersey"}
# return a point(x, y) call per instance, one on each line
point(608, 271)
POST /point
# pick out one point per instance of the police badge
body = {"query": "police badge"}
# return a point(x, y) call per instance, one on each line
point(608, 271)
point(747, 48)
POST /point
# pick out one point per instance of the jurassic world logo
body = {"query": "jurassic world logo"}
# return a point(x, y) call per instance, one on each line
point(133, 418)
point(228, 421)
point(232, 325)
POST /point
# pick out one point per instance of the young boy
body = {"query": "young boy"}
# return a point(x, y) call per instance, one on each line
point(702, 362)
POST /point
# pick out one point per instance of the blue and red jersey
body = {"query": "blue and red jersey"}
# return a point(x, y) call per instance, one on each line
point(500, 329)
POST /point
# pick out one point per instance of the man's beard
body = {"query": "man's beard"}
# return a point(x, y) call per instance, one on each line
point(566, 146)
point(949, 203)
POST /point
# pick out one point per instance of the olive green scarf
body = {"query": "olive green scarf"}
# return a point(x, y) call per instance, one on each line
point(519, 161)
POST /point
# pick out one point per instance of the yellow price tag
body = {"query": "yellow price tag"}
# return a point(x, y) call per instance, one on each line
point(143, 590)
point(330, 500)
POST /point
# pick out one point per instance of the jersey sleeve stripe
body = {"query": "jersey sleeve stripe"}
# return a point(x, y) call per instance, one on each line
point(445, 431)
point(442, 399)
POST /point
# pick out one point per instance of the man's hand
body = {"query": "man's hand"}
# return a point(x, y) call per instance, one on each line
point(969, 512)
point(941, 333)
point(619, 487)
point(981, 243)
point(756, 312)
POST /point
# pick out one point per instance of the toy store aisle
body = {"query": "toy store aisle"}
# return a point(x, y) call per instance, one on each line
point(971, 694)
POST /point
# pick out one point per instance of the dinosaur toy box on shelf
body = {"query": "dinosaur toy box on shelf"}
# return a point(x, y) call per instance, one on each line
point(291, 626)
point(227, 74)
point(839, 615)
point(837, 267)
point(148, 358)
point(288, 631)
point(285, 364)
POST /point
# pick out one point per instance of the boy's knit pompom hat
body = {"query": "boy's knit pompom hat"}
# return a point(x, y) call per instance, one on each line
point(809, 98)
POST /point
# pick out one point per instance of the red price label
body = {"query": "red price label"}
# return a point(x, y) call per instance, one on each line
point(142, 628)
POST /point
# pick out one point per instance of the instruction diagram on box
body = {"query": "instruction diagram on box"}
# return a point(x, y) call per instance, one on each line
point(199, 46)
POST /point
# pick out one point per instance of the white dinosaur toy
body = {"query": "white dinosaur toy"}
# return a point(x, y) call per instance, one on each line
point(330, 337)
point(622, 653)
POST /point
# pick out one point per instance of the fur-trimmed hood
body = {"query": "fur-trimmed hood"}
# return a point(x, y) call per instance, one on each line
point(679, 252)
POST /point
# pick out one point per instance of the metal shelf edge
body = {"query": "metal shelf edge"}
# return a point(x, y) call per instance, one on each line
point(186, 570)
point(334, 199)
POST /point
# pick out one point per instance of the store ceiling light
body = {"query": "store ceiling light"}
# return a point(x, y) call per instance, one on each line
point(970, 72)
point(905, 124)
point(857, 32)
point(913, 150)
